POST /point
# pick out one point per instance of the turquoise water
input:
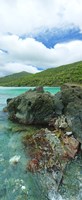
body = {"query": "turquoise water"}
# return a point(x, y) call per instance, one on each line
point(18, 90)
point(15, 183)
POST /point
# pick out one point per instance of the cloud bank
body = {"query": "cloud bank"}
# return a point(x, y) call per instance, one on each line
point(22, 20)
point(24, 16)
point(28, 54)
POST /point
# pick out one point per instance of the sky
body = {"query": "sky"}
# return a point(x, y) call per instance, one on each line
point(39, 34)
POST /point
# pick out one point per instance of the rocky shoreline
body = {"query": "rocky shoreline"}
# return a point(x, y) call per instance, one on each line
point(51, 148)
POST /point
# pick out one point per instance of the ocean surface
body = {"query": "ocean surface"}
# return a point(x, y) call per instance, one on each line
point(15, 182)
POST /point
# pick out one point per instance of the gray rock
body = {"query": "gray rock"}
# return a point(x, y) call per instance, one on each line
point(32, 107)
point(58, 104)
point(61, 123)
point(72, 100)
point(38, 107)
point(9, 99)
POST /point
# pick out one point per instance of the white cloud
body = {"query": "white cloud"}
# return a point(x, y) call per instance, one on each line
point(68, 52)
point(29, 54)
point(27, 51)
point(28, 16)
point(31, 17)
point(10, 68)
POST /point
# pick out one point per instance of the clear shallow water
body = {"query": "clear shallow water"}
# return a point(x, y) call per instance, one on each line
point(18, 90)
point(14, 178)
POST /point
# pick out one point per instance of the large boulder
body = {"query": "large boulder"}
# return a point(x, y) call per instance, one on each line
point(32, 107)
point(38, 107)
point(72, 101)
point(68, 103)
point(59, 106)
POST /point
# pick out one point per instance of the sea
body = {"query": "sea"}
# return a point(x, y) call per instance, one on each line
point(15, 182)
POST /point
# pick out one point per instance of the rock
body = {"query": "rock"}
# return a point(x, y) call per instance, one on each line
point(3, 192)
point(77, 126)
point(54, 195)
point(68, 133)
point(71, 146)
point(51, 153)
point(61, 110)
point(39, 89)
point(50, 150)
point(14, 160)
point(32, 107)
point(71, 94)
point(33, 165)
point(81, 147)
point(58, 104)
point(5, 109)
point(46, 149)
point(61, 122)
point(52, 123)
point(23, 187)
point(8, 100)
point(72, 101)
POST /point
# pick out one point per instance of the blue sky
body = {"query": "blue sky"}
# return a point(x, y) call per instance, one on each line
point(51, 37)
point(39, 34)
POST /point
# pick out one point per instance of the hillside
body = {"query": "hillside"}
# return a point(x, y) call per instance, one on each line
point(71, 73)
point(13, 78)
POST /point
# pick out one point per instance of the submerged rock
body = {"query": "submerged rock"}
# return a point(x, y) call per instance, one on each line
point(3, 192)
point(14, 160)
point(33, 165)
point(5, 109)
point(47, 150)
point(50, 153)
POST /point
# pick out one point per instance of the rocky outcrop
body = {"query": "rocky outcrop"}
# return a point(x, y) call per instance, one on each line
point(38, 107)
point(32, 107)
point(50, 150)
point(68, 103)
point(72, 101)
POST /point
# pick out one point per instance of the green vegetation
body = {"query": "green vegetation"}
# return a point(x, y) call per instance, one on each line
point(71, 73)
point(13, 79)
